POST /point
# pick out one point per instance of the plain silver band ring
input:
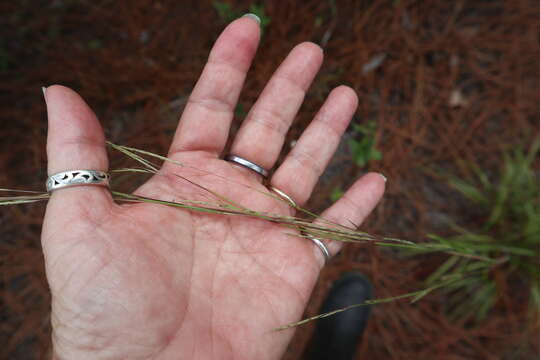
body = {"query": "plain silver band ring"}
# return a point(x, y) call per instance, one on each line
point(247, 164)
point(321, 246)
point(284, 196)
point(77, 178)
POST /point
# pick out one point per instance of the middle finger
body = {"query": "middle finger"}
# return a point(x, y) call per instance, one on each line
point(262, 134)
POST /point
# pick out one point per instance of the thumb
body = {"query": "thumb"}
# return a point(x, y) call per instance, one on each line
point(75, 141)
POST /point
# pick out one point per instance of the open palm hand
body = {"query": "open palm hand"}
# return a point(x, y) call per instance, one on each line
point(146, 281)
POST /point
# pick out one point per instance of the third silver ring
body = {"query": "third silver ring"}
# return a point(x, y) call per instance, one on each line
point(283, 196)
point(320, 244)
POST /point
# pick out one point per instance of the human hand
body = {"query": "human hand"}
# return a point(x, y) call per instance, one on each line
point(147, 281)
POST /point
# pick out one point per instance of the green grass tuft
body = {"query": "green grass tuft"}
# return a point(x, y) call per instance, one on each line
point(508, 233)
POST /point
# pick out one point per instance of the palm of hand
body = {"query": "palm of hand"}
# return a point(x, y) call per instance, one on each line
point(135, 278)
point(146, 281)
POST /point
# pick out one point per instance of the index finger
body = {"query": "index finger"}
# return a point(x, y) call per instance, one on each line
point(205, 123)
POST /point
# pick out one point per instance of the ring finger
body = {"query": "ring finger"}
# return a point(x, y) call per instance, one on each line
point(307, 160)
point(262, 134)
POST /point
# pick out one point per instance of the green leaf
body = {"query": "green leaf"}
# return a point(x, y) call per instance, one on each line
point(484, 299)
point(443, 269)
point(260, 12)
point(376, 154)
point(225, 11)
point(469, 191)
point(362, 146)
point(535, 296)
point(337, 193)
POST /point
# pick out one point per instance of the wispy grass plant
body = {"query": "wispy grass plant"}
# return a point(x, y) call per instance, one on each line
point(507, 233)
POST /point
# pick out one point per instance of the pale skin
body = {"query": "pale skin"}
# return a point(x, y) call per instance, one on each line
point(146, 281)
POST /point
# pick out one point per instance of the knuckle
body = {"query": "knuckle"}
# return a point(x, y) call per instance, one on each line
point(307, 161)
point(212, 104)
point(271, 119)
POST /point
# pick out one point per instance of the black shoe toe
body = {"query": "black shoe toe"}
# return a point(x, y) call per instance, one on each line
point(337, 336)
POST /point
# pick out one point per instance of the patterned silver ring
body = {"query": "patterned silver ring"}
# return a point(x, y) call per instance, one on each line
point(77, 178)
point(320, 245)
point(283, 196)
point(247, 164)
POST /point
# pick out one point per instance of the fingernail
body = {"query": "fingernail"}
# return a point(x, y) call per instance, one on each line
point(384, 177)
point(44, 89)
point(254, 17)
